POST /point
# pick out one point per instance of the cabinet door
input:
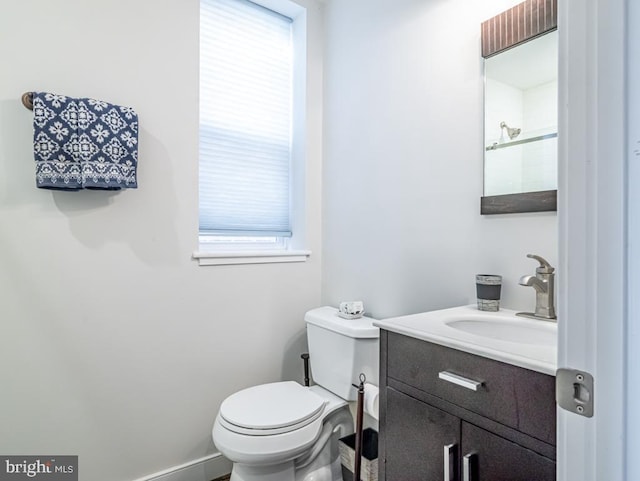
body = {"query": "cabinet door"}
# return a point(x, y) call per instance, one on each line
point(416, 436)
point(492, 458)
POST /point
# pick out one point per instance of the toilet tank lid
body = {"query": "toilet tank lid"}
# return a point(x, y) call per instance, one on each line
point(327, 317)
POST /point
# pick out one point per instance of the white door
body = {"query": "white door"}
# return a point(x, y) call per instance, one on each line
point(592, 229)
point(633, 252)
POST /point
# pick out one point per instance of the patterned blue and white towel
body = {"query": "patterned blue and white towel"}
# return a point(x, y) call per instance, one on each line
point(57, 165)
point(84, 143)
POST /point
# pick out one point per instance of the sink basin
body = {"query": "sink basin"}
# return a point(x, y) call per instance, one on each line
point(502, 336)
point(511, 331)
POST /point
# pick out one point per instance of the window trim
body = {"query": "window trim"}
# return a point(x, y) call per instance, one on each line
point(219, 258)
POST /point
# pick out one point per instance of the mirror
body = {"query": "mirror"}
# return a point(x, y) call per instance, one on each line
point(521, 123)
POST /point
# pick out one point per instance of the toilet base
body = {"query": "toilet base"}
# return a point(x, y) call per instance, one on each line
point(320, 463)
point(321, 470)
point(325, 472)
point(279, 472)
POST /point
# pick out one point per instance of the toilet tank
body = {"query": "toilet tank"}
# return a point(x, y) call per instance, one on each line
point(340, 349)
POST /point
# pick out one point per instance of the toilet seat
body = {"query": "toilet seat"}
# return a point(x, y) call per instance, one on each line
point(261, 450)
point(270, 409)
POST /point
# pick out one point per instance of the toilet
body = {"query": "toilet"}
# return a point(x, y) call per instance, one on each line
point(284, 431)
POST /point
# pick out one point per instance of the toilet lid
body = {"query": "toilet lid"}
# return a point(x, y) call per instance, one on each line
point(271, 408)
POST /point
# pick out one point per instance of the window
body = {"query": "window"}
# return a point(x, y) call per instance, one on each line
point(246, 111)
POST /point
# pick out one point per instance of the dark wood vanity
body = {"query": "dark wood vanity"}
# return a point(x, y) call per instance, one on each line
point(432, 429)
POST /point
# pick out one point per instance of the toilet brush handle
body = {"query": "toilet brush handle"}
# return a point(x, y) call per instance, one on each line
point(305, 359)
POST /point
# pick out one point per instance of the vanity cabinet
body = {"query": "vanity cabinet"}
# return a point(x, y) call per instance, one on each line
point(432, 429)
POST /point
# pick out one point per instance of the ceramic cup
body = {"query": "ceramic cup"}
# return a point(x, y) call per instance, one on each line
point(488, 288)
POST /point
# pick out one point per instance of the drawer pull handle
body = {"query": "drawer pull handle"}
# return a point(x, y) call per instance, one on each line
point(468, 467)
point(459, 380)
point(449, 462)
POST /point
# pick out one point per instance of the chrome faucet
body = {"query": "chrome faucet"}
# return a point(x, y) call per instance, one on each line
point(542, 282)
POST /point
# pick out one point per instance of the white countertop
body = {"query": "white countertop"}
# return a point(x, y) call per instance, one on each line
point(535, 350)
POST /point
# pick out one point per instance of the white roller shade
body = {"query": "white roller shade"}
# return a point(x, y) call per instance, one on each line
point(245, 119)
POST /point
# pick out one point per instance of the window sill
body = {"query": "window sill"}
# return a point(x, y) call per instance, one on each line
point(205, 258)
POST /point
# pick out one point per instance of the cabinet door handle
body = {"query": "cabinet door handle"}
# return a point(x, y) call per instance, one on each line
point(449, 462)
point(468, 467)
point(459, 380)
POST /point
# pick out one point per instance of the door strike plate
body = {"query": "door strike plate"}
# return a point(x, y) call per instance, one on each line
point(574, 391)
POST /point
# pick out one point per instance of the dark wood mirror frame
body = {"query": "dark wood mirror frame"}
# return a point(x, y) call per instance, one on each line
point(512, 27)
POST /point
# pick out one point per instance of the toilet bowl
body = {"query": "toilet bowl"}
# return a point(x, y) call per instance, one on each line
point(284, 431)
point(284, 422)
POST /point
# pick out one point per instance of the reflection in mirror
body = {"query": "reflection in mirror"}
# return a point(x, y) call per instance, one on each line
point(520, 50)
point(521, 115)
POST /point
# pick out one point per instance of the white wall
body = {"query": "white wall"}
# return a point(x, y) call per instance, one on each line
point(114, 344)
point(403, 162)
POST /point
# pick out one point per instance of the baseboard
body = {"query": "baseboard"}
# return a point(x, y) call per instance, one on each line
point(204, 469)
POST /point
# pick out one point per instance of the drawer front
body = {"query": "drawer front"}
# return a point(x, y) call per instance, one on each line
point(513, 396)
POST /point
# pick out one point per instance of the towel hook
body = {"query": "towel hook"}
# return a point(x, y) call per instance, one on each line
point(27, 100)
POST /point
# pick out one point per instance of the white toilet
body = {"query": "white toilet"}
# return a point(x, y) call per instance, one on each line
point(284, 431)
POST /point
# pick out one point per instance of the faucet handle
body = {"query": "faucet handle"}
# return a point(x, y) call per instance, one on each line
point(544, 267)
